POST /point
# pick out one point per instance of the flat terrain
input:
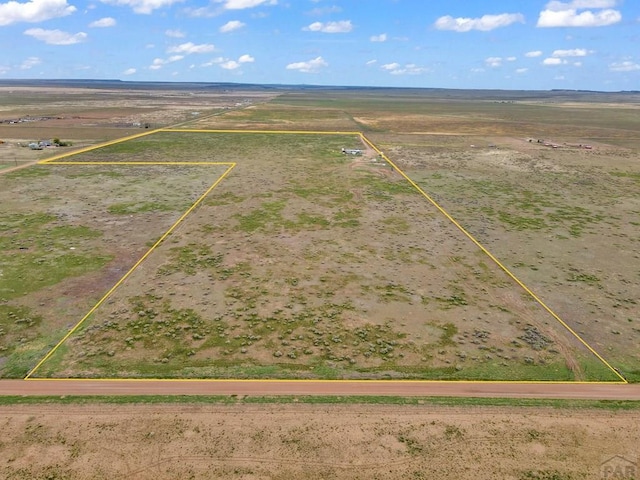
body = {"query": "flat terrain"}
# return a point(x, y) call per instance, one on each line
point(250, 441)
point(308, 263)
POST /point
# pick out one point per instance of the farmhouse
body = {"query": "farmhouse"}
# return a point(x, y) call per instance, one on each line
point(351, 151)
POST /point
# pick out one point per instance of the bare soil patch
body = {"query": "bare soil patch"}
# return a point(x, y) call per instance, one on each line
point(307, 441)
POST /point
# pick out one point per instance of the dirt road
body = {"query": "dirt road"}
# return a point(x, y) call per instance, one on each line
point(283, 387)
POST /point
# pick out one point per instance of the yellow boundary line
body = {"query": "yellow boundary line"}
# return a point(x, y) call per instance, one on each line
point(95, 147)
point(131, 270)
point(494, 259)
point(308, 380)
point(52, 161)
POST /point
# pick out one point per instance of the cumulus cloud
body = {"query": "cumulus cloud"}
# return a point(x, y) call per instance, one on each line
point(493, 62)
point(311, 66)
point(396, 68)
point(189, 48)
point(576, 52)
point(34, 11)
point(379, 38)
point(231, 25)
point(343, 26)
point(579, 13)
point(29, 63)
point(533, 54)
point(103, 23)
point(522, 70)
point(174, 33)
point(626, 66)
point(129, 71)
point(160, 62)
point(142, 6)
point(485, 23)
point(56, 37)
point(230, 65)
point(554, 61)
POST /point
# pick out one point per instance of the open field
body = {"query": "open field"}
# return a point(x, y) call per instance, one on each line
point(564, 220)
point(257, 283)
point(308, 263)
point(246, 440)
point(304, 263)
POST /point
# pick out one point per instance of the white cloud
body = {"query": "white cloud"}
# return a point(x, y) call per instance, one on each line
point(372, 62)
point(174, 33)
point(231, 25)
point(484, 23)
point(522, 70)
point(34, 11)
point(511, 59)
point(343, 26)
point(142, 6)
point(242, 4)
point(230, 65)
point(129, 71)
point(626, 66)
point(379, 38)
point(29, 63)
point(189, 48)
point(493, 62)
point(56, 37)
point(533, 54)
point(408, 69)
point(160, 62)
point(575, 14)
point(311, 66)
point(554, 61)
point(576, 52)
point(103, 23)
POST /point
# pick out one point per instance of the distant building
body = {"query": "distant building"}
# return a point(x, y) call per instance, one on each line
point(351, 151)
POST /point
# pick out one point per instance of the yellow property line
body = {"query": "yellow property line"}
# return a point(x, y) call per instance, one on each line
point(309, 380)
point(95, 147)
point(230, 167)
point(281, 132)
point(131, 270)
point(495, 260)
point(141, 163)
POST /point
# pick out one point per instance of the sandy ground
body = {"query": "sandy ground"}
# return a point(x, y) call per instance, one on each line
point(402, 388)
point(311, 442)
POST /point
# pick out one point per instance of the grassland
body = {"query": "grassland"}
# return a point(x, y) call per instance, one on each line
point(269, 290)
point(306, 263)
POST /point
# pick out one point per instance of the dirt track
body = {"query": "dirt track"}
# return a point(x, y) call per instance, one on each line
point(283, 387)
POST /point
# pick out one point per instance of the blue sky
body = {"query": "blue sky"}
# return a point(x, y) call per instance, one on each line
point(506, 44)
